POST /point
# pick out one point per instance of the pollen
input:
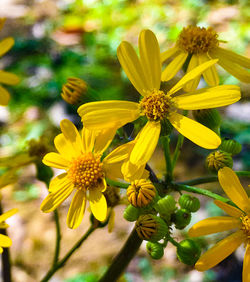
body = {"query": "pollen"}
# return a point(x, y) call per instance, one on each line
point(197, 40)
point(86, 171)
point(156, 105)
point(245, 220)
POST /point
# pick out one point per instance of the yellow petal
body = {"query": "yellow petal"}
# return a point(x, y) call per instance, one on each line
point(76, 209)
point(150, 58)
point(64, 147)
point(98, 204)
point(53, 200)
point(132, 67)
point(233, 57)
point(133, 172)
point(146, 143)
point(5, 45)
point(214, 225)
point(5, 241)
point(1, 250)
point(246, 265)
point(2, 22)
point(8, 78)
point(113, 170)
point(58, 182)
point(230, 183)
point(192, 85)
point(103, 139)
point(210, 75)
point(192, 75)
point(4, 96)
point(169, 53)
point(220, 251)
point(88, 139)
point(8, 214)
point(107, 114)
point(213, 97)
point(173, 67)
point(194, 131)
point(120, 153)
point(230, 210)
point(56, 160)
point(72, 135)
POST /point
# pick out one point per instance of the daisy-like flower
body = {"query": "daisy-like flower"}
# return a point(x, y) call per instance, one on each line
point(81, 157)
point(6, 77)
point(202, 44)
point(5, 241)
point(145, 75)
point(239, 218)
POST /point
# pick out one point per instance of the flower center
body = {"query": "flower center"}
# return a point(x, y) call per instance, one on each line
point(86, 171)
point(196, 40)
point(245, 220)
point(156, 105)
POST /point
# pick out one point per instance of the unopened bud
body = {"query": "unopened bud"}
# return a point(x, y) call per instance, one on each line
point(131, 213)
point(188, 252)
point(182, 218)
point(165, 205)
point(73, 90)
point(230, 146)
point(218, 159)
point(190, 203)
point(155, 250)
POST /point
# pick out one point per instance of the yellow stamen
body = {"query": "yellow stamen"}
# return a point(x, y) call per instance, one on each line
point(245, 220)
point(86, 171)
point(197, 40)
point(156, 105)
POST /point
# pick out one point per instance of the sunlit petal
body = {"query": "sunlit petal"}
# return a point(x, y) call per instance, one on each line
point(56, 160)
point(103, 139)
point(8, 78)
point(246, 265)
point(8, 214)
point(58, 182)
point(169, 53)
point(98, 204)
point(4, 96)
point(5, 45)
point(230, 210)
point(210, 75)
point(192, 85)
point(64, 147)
point(5, 241)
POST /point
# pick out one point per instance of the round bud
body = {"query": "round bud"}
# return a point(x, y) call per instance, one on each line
point(188, 252)
point(188, 202)
point(166, 205)
point(155, 250)
point(218, 159)
point(151, 227)
point(73, 90)
point(141, 193)
point(131, 213)
point(209, 117)
point(182, 218)
point(230, 146)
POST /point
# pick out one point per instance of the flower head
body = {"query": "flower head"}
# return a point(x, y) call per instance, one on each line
point(145, 74)
point(81, 157)
point(239, 218)
point(6, 77)
point(73, 90)
point(5, 241)
point(202, 44)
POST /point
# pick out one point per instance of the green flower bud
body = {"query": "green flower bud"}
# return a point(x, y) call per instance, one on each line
point(151, 227)
point(188, 252)
point(188, 202)
point(155, 250)
point(230, 146)
point(131, 213)
point(182, 218)
point(218, 159)
point(166, 205)
point(209, 117)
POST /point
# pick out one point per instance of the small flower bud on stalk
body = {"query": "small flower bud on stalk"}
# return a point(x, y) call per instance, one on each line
point(182, 218)
point(188, 252)
point(230, 146)
point(131, 213)
point(188, 202)
point(141, 193)
point(155, 250)
point(165, 206)
point(151, 227)
point(217, 160)
point(209, 117)
point(73, 90)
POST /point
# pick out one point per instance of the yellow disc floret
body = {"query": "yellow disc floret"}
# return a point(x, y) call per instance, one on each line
point(155, 105)
point(86, 171)
point(197, 40)
point(245, 220)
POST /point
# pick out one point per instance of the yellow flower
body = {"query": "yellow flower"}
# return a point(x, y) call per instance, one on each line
point(145, 75)
point(203, 45)
point(81, 157)
point(6, 77)
point(239, 218)
point(5, 241)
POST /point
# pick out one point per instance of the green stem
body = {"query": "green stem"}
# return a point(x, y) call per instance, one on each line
point(58, 238)
point(121, 261)
point(211, 178)
point(117, 184)
point(171, 240)
point(6, 265)
point(60, 263)
point(169, 167)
